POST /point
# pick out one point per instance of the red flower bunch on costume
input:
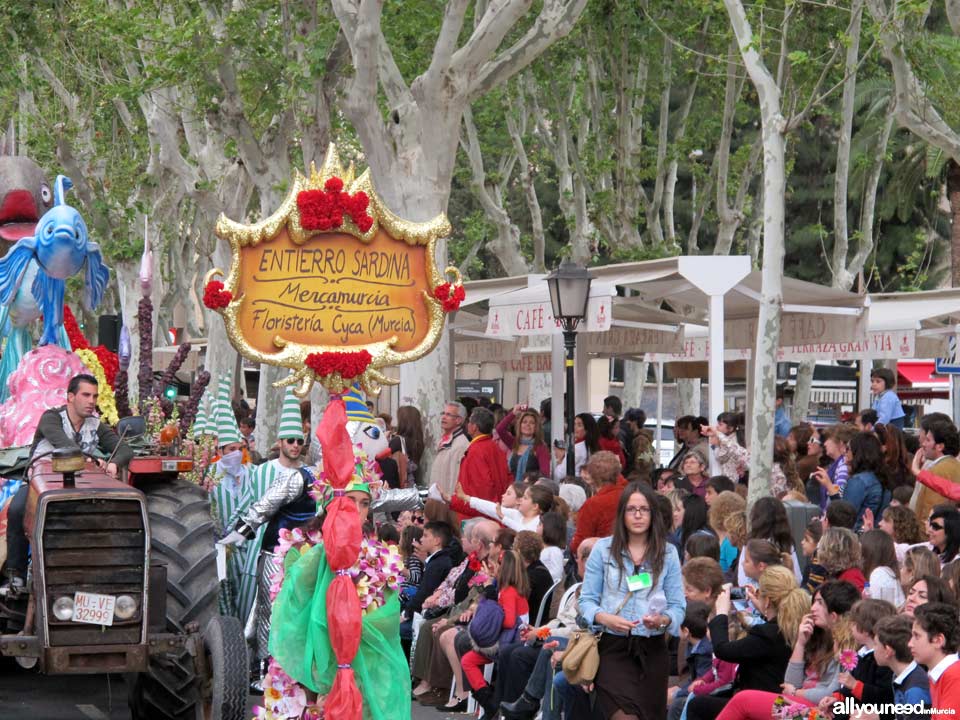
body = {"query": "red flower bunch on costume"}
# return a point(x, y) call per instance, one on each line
point(449, 295)
point(324, 209)
point(215, 297)
point(108, 359)
point(473, 562)
point(348, 364)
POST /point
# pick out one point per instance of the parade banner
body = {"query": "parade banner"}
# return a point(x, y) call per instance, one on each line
point(878, 345)
point(333, 285)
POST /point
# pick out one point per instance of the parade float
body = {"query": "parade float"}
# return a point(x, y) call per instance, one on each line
point(335, 288)
point(123, 574)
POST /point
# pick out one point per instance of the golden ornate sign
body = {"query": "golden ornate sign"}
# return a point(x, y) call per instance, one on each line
point(333, 285)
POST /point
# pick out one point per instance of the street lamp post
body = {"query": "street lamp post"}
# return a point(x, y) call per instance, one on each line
point(569, 288)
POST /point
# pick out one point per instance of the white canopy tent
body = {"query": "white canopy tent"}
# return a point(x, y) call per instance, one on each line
point(717, 292)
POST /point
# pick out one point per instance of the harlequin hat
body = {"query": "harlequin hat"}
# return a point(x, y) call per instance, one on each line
point(291, 424)
point(226, 422)
point(365, 479)
point(356, 404)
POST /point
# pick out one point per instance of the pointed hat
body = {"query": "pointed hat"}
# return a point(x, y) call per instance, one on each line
point(226, 422)
point(291, 426)
point(201, 423)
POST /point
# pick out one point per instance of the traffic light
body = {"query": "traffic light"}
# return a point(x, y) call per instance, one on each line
point(170, 392)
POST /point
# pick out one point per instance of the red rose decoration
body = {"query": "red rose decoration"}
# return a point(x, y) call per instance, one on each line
point(473, 563)
point(215, 297)
point(324, 209)
point(348, 364)
point(450, 296)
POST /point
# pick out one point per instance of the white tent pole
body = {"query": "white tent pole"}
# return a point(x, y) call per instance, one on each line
point(659, 436)
point(716, 371)
point(863, 387)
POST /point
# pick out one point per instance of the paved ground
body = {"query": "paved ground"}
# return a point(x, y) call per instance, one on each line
point(31, 696)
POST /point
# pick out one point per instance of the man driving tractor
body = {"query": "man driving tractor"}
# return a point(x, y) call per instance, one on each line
point(74, 425)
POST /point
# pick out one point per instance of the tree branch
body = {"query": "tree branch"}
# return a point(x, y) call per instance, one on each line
point(555, 21)
point(914, 111)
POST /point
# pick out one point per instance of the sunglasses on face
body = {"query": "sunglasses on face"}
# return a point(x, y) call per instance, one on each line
point(293, 441)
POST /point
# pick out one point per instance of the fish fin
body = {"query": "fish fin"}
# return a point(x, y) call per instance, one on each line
point(48, 292)
point(97, 277)
point(12, 267)
point(60, 187)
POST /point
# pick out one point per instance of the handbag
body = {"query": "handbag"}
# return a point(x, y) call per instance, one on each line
point(581, 659)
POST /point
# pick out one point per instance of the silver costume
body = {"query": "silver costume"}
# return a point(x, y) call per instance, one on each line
point(286, 486)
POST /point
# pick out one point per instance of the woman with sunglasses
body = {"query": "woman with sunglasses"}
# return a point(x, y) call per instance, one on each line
point(943, 532)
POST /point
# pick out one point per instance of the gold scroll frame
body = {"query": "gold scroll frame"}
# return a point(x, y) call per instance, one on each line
point(293, 355)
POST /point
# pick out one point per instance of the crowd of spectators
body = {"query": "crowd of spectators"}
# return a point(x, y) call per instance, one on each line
point(835, 593)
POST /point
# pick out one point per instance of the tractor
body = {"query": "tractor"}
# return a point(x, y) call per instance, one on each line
point(124, 580)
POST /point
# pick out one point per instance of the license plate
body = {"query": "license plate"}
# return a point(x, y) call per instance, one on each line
point(93, 609)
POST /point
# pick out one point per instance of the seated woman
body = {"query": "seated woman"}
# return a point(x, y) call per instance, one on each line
point(839, 553)
point(927, 589)
point(813, 671)
point(762, 654)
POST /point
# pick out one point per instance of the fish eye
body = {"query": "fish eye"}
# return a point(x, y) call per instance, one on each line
point(48, 230)
point(45, 194)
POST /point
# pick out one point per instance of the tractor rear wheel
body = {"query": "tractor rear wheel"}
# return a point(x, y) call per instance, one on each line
point(182, 537)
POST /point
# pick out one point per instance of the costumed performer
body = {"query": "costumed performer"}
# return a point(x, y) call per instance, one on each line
point(233, 490)
point(300, 636)
point(286, 504)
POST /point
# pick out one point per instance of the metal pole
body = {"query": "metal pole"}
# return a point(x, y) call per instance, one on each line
point(570, 345)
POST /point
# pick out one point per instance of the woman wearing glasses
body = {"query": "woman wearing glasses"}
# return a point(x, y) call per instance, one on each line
point(943, 532)
point(633, 591)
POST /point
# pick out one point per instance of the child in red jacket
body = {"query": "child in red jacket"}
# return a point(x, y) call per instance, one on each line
point(512, 595)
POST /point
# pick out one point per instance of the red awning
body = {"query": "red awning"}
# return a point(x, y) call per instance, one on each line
point(920, 374)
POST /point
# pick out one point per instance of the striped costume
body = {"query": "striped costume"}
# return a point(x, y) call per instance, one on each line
point(231, 498)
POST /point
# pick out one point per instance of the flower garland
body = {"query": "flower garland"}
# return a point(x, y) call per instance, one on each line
point(450, 296)
point(785, 710)
point(348, 364)
point(324, 209)
point(377, 570)
point(215, 296)
point(285, 699)
point(108, 360)
point(106, 402)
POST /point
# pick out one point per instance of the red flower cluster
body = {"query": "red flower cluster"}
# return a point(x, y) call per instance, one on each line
point(77, 340)
point(348, 364)
point(108, 359)
point(110, 363)
point(473, 562)
point(324, 209)
point(215, 297)
point(451, 296)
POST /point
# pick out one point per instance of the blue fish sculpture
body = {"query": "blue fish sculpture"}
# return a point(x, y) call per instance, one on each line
point(33, 273)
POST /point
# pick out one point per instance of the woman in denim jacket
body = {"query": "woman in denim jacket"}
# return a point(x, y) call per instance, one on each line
point(633, 589)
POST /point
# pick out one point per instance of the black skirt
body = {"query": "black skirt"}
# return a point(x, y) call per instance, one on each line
point(632, 676)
